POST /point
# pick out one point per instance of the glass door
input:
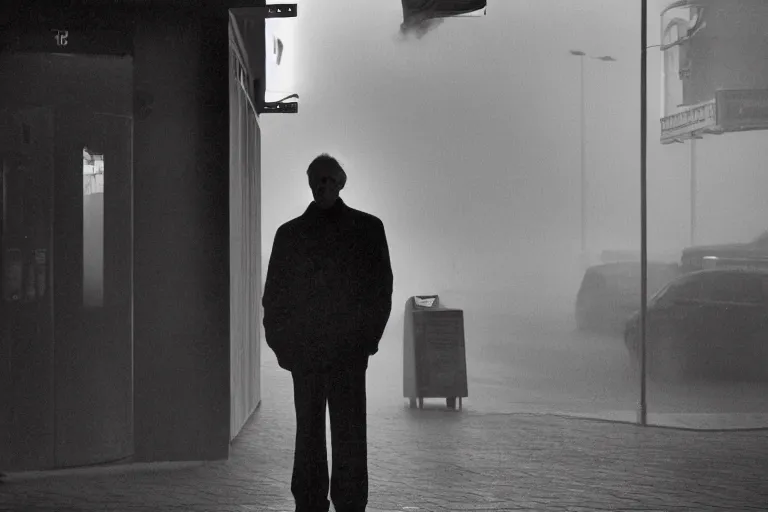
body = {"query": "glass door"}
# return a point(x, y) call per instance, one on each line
point(94, 317)
point(66, 317)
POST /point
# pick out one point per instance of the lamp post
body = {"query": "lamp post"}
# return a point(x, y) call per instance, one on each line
point(642, 413)
point(583, 187)
point(694, 187)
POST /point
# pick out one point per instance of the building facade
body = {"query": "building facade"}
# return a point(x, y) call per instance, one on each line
point(130, 145)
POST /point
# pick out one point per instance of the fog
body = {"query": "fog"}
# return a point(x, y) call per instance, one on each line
point(466, 143)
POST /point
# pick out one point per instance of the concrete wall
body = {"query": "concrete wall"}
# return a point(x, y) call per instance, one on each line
point(181, 222)
point(245, 242)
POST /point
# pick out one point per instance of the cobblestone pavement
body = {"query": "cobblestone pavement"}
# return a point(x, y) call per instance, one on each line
point(437, 460)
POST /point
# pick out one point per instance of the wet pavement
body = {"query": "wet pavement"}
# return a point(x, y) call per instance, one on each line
point(542, 364)
point(496, 454)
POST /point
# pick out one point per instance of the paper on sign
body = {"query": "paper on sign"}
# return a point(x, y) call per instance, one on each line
point(425, 303)
point(280, 58)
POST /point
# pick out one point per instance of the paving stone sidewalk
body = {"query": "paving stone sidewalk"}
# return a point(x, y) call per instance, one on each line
point(437, 460)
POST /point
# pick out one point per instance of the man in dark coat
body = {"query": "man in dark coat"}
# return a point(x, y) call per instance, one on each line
point(327, 300)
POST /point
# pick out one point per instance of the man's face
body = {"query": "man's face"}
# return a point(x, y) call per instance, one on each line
point(325, 185)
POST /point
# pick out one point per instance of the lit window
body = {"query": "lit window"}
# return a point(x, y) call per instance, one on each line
point(93, 229)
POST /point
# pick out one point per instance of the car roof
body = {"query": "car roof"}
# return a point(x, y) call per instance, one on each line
point(623, 266)
point(754, 271)
point(691, 276)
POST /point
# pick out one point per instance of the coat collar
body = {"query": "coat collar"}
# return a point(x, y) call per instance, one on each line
point(315, 211)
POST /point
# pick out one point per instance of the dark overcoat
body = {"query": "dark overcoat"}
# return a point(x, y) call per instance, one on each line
point(328, 292)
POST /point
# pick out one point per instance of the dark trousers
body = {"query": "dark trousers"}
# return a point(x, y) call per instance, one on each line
point(342, 387)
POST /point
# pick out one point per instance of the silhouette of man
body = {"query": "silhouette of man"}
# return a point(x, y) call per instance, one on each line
point(327, 300)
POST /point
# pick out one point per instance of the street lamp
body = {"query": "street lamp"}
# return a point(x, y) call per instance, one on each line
point(605, 58)
point(694, 186)
point(642, 411)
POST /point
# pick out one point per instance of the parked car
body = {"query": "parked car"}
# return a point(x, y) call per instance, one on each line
point(710, 324)
point(711, 256)
point(610, 293)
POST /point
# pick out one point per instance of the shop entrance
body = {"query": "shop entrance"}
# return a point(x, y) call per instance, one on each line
point(66, 314)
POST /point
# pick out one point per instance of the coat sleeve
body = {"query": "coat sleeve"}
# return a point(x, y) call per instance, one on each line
point(275, 301)
point(378, 305)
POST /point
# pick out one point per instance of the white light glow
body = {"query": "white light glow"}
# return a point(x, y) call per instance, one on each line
point(281, 57)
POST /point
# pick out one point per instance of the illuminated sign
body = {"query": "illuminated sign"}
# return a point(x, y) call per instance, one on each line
point(731, 110)
point(740, 110)
point(280, 58)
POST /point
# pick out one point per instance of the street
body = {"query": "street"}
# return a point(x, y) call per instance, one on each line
point(526, 439)
point(435, 460)
point(536, 361)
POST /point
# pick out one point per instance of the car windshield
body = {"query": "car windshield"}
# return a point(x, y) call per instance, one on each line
point(665, 290)
point(728, 286)
point(688, 287)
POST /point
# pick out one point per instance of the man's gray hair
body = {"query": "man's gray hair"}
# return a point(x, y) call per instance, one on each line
point(327, 162)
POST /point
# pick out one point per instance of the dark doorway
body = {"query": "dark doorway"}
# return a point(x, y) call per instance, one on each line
point(67, 147)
